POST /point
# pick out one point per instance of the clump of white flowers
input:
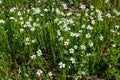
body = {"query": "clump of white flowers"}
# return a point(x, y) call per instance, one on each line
point(39, 52)
point(2, 21)
point(71, 50)
point(0, 1)
point(72, 60)
point(39, 72)
point(61, 65)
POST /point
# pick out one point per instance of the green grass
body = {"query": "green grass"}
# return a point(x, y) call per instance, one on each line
point(39, 37)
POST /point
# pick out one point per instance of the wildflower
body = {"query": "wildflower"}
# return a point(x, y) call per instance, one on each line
point(82, 6)
point(32, 29)
point(72, 60)
point(83, 72)
point(71, 50)
point(78, 14)
point(34, 40)
point(93, 22)
point(108, 15)
point(75, 47)
point(101, 37)
point(21, 18)
point(2, 21)
point(113, 45)
point(50, 74)
point(36, 10)
point(83, 26)
point(61, 65)
point(64, 6)
point(88, 54)
point(80, 31)
point(61, 39)
point(46, 10)
point(90, 44)
point(117, 26)
point(91, 7)
point(19, 13)
point(57, 11)
point(58, 32)
point(39, 52)
point(21, 30)
point(69, 13)
point(88, 35)
point(39, 72)
point(27, 43)
point(27, 39)
point(112, 30)
point(89, 27)
point(106, 1)
point(83, 47)
point(0, 1)
point(33, 56)
point(12, 9)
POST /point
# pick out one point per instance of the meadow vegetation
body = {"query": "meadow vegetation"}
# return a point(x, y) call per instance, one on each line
point(59, 39)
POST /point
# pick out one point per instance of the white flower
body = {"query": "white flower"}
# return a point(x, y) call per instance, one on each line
point(12, 18)
point(88, 35)
point(83, 72)
point(113, 45)
point(34, 40)
point(117, 26)
point(0, 1)
point(61, 65)
point(80, 31)
point(72, 34)
point(71, 21)
point(61, 39)
point(78, 14)
point(71, 50)
point(88, 54)
point(106, 1)
point(91, 7)
point(91, 44)
point(2, 21)
point(27, 43)
point(58, 32)
point(50, 74)
point(57, 11)
point(39, 52)
point(82, 6)
point(89, 27)
point(83, 26)
point(46, 10)
point(101, 37)
point(21, 18)
point(21, 30)
point(19, 13)
point(66, 42)
point(33, 56)
point(69, 13)
point(66, 29)
point(12, 9)
point(75, 47)
point(36, 10)
point(72, 60)
point(112, 30)
point(64, 6)
point(32, 29)
point(27, 39)
point(93, 22)
point(108, 15)
point(39, 72)
point(83, 47)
